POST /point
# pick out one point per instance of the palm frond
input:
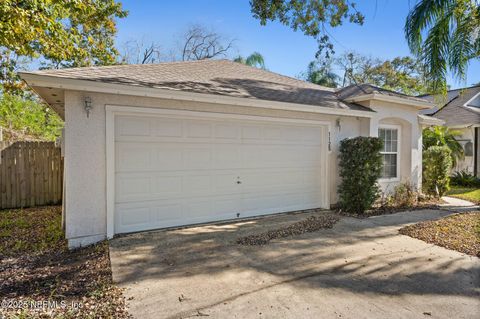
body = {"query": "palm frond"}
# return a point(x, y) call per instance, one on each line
point(255, 59)
point(445, 35)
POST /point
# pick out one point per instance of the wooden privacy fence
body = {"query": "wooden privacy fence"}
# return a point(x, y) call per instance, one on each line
point(31, 174)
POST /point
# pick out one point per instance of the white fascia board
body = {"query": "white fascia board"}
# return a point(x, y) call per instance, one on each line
point(429, 121)
point(393, 99)
point(473, 98)
point(473, 108)
point(100, 87)
point(461, 126)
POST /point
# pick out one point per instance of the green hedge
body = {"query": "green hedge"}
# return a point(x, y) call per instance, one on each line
point(360, 168)
point(437, 163)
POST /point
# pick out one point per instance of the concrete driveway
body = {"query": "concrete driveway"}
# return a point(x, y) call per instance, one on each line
point(362, 268)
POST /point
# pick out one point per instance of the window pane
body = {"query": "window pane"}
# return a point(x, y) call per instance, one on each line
point(388, 146)
point(394, 135)
point(394, 145)
point(381, 135)
point(389, 138)
point(389, 165)
point(393, 171)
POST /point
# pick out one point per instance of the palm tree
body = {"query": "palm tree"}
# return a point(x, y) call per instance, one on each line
point(321, 74)
point(443, 136)
point(255, 59)
point(445, 35)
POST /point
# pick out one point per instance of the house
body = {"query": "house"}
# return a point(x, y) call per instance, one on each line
point(461, 111)
point(170, 144)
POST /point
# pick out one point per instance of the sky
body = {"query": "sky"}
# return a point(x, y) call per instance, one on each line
point(284, 50)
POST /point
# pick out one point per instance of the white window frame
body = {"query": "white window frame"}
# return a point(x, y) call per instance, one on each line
point(398, 152)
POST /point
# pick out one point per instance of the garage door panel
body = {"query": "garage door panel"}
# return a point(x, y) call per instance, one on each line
point(153, 214)
point(198, 158)
point(132, 156)
point(288, 178)
point(272, 203)
point(198, 185)
point(226, 183)
point(131, 217)
point(133, 126)
point(280, 156)
point(230, 132)
point(227, 156)
point(144, 216)
point(168, 127)
point(172, 171)
point(198, 129)
point(151, 186)
point(132, 186)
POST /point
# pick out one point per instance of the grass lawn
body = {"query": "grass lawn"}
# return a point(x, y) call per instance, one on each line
point(36, 266)
point(470, 194)
point(460, 232)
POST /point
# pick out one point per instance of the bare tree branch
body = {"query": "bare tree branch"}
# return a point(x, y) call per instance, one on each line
point(137, 52)
point(201, 43)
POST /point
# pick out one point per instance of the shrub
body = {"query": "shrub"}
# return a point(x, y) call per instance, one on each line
point(437, 163)
point(405, 195)
point(465, 179)
point(360, 168)
point(29, 117)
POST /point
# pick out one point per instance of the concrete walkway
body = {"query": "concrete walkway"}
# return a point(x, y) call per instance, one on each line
point(362, 268)
point(457, 204)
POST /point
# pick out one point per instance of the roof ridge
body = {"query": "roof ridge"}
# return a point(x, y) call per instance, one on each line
point(445, 105)
point(448, 91)
point(128, 65)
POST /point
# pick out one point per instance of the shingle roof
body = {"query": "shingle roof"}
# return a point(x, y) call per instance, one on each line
point(363, 89)
point(221, 77)
point(454, 112)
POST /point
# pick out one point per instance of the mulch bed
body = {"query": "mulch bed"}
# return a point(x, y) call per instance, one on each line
point(385, 210)
point(309, 225)
point(76, 284)
point(460, 232)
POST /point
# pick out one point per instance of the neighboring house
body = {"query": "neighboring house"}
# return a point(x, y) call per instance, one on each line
point(169, 144)
point(461, 111)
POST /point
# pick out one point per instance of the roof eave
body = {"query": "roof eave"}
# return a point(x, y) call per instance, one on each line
point(393, 99)
point(48, 81)
point(426, 120)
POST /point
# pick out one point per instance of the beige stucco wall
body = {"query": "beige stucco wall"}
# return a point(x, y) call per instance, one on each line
point(85, 152)
point(411, 141)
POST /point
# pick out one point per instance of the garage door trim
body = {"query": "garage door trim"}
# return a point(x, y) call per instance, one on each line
point(115, 110)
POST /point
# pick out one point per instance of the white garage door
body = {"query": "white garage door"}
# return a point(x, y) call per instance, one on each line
point(172, 171)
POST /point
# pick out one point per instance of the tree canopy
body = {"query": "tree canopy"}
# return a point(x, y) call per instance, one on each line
point(29, 117)
point(321, 74)
point(62, 33)
point(445, 35)
point(401, 74)
point(312, 17)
